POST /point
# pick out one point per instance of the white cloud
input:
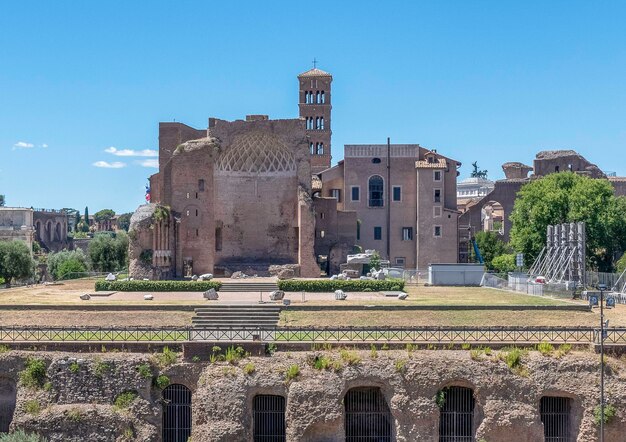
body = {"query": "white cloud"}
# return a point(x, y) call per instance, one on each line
point(131, 153)
point(149, 163)
point(23, 145)
point(44, 145)
point(107, 165)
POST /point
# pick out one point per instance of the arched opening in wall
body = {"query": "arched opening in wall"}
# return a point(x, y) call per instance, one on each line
point(555, 416)
point(8, 394)
point(456, 418)
point(176, 413)
point(323, 97)
point(492, 217)
point(368, 417)
point(49, 231)
point(38, 230)
point(57, 232)
point(269, 418)
point(375, 189)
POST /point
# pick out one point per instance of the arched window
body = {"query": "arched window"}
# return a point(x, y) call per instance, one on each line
point(319, 97)
point(306, 96)
point(8, 394)
point(269, 418)
point(323, 97)
point(376, 188)
point(456, 419)
point(322, 123)
point(367, 415)
point(176, 413)
point(312, 147)
point(555, 417)
point(320, 148)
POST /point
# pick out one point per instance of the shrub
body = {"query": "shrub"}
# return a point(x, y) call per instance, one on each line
point(400, 365)
point(249, 368)
point(34, 373)
point(196, 358)
point(322, 362)
point(329, 285)
point(74, 367)
point(350, 357)
point(101, 368)
point(157, 286)
point(166, 358)
point(475, 354)
point(466, 346)
point(440, 397)
point(21, 436)
point(292, 372)
point(67, 264)
point(563, 350)
point(47, 386)
point(545, 348)
point(373, 351)
point(161, 381)
point(74, 414)
point(32, 407)
point(504, 263)
point(125, 399)
point(513, 358)
point(144, 370)
point(129, 434)
point(609, 414)
point(271, 348)
point(4, 348)
point(234, 354)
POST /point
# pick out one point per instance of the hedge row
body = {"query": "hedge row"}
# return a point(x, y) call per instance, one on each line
point(329, 285)
point(157, 286)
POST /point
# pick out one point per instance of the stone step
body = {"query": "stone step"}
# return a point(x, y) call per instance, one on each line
point(243, 321)
point(248, 287)
point(217, 315)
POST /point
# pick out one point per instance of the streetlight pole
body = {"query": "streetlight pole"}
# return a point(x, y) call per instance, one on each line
point(602, 288)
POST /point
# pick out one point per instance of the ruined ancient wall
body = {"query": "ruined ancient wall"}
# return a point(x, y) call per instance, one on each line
point(76, 400)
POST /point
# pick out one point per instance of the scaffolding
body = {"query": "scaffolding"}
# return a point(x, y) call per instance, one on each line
point(620, 284)
point(562, 260)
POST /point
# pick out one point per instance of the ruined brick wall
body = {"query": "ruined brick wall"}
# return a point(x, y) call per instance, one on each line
point(76, 403)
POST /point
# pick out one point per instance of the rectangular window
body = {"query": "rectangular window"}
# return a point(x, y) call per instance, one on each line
point(437, 211)
point(358, 230)
point(322, 215)
point(400, 261)
point(437, 232)
point(336, 193)
point(407, 233)
point(397, 193)
point(218, 239)
point(437, 175)
point(378, 233)
point(437, 195)
point(356, 191)
point(201, 185)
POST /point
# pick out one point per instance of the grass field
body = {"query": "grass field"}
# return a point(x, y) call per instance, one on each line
point(68, 294)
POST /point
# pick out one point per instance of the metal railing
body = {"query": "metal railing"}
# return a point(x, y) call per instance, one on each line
point(415, 335)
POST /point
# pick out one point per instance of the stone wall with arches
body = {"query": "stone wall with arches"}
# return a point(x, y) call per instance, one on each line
point(404, 391)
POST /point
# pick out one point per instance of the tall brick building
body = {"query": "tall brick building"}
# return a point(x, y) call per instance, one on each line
point(315, 107)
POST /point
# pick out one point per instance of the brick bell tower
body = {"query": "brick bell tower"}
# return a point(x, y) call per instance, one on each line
point(315, 106)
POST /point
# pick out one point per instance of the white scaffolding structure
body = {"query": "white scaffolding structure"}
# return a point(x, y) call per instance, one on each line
point(620, 284)
point(562, 260)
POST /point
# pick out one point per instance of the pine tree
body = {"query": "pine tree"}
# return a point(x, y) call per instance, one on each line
point(77, 221)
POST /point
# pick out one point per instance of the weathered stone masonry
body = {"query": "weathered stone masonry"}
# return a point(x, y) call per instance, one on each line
point(76, 405)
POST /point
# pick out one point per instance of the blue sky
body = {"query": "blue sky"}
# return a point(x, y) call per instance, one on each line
point(491, 81)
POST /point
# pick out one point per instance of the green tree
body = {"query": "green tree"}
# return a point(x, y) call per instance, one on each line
point(620, 265)
point(85, 223)
point(490, 245)
point(16, 261)
point(375, 261)
point(1, 200)
point(109, 253)
point(104, 215)
point(123, 221)
point(77, 221)
point(568, 197)
point(67, 264)
point(504, 263)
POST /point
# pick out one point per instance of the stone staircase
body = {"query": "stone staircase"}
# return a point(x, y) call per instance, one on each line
point(237, 315)
point(241, 285)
